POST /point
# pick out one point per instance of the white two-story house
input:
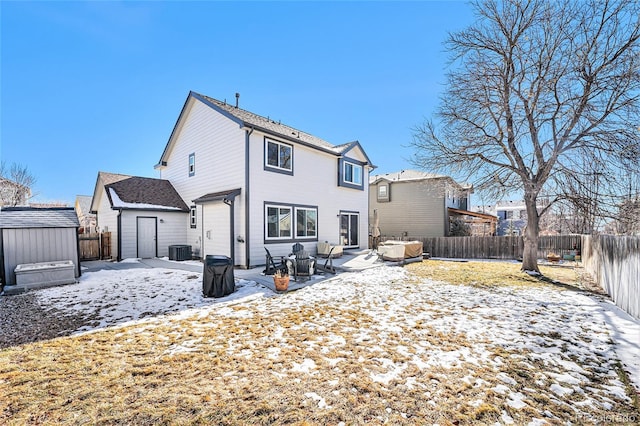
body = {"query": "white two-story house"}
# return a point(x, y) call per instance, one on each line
point(251, 182)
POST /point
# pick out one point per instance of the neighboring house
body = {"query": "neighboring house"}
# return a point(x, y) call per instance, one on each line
point(512, 216)
point(13, 194)
point(416, 204)
point(144, 215)
point(85, 217)
point(35, 235)
point(251, 182)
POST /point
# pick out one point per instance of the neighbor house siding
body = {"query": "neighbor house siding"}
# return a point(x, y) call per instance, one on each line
point(416, 208)
point(31, 245)
point(107, 220)
point(219, 147)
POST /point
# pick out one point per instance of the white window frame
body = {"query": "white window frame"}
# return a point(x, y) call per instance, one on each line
point(280, 146)
point(267, 237)
point(306, 230)
point(354, 167)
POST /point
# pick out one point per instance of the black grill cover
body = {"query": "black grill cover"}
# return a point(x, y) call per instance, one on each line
point(218, 279)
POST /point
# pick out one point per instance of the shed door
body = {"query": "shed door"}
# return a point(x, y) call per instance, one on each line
point(147, 228)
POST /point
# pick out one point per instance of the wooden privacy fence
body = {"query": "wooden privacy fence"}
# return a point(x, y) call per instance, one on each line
point(614, 261)
point(94, 246)
point(495, 247)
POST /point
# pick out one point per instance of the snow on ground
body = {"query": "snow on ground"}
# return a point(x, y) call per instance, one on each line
point(113, 297)
point(564, 335)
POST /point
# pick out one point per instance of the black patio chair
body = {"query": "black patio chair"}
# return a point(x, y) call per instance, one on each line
point(303, 265)
point(297, 248)
point(328, 264)
point(271, 267)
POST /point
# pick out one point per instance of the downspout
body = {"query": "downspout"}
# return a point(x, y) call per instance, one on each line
point(231, 232)
point(119, 256)
point(202, 256)
point(78, 253)
point(247, 210)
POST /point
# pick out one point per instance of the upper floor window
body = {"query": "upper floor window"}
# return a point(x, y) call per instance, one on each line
point(351, 174)
point(383, 192)
point(278, 156)
point(193, 217)
point(192, 164)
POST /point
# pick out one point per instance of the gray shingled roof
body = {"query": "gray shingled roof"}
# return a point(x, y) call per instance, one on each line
point(265, 123)
point(30, 217)
point(413, 175)
point(146, 193)
point(109, 178)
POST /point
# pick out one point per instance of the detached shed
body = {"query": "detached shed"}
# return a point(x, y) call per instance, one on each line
point(35, 235)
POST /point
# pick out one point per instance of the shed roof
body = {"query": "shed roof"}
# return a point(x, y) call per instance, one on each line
point(30, 217)
point(144, 193)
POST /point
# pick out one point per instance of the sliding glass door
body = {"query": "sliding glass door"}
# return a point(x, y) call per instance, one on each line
point(349, 229)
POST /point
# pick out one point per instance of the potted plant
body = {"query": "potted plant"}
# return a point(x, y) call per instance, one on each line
point(281, 279)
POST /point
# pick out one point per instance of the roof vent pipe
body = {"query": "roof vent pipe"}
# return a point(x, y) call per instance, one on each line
point(237, 98)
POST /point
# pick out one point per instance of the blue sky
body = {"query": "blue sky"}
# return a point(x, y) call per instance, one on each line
point(98, 86)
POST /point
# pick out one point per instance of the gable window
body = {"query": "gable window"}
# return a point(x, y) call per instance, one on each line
point(352, 173)
point(306, 222)
point(278, 156)
point(278, 222)
point(192, 164)
point(193, 218)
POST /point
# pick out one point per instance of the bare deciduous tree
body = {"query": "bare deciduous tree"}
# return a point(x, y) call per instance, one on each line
point(16, 183)
point(538, 88)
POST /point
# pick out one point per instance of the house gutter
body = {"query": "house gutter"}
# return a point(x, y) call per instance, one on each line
point(247, 239)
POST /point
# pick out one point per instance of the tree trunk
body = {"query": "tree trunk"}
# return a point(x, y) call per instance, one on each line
point(531, 233)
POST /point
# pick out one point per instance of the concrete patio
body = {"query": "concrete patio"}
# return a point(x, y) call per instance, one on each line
point(350, 261)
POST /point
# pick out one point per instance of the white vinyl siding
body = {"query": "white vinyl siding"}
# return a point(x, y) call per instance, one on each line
point(220, 147)
point(313, 185)
point(221, 165)
point(172, 230)
point(216, 229)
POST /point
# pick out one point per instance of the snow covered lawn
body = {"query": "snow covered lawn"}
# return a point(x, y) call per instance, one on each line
point(380, 346)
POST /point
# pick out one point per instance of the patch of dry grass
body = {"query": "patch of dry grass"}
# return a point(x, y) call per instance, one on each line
point(384, 356)
point(492, 274)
